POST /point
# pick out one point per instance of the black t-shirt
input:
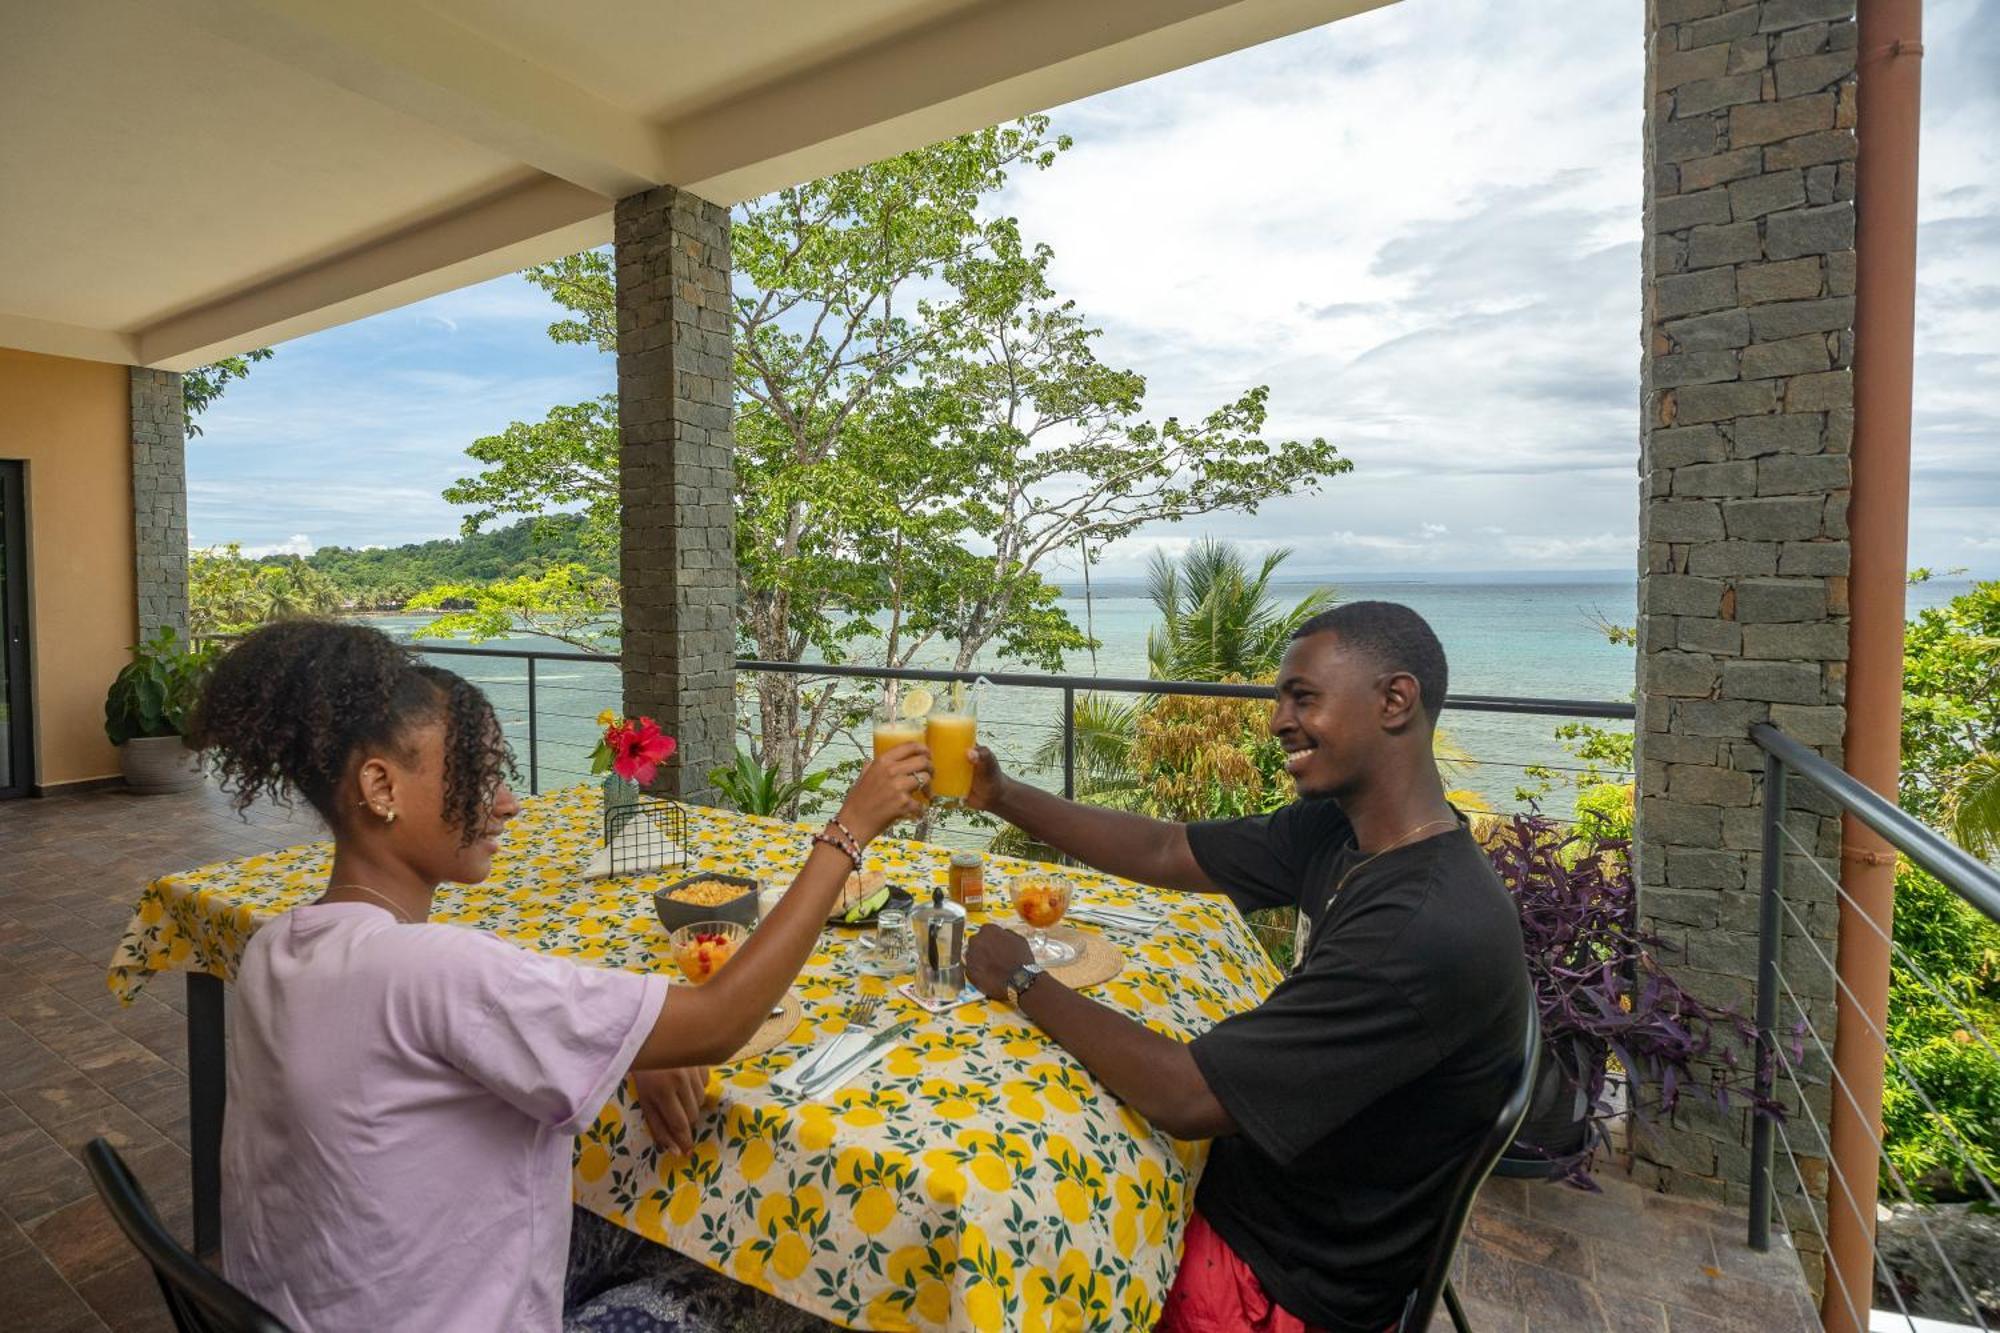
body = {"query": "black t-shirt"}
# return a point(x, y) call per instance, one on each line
point(1363, 1080)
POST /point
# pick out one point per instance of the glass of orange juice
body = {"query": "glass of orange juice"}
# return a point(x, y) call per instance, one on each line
point(951, 730)
point(896, 724)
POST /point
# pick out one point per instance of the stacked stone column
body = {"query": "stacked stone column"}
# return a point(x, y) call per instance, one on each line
point(676, 472)
point(159, 500)
point(1748, 421)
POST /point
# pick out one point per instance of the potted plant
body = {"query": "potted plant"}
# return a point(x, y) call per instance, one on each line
point(1604, 997)
point(146, 713)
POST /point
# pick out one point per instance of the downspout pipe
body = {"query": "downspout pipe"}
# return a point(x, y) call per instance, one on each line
point(1889, 66)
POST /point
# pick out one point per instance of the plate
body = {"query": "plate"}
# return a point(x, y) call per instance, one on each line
point(900, 899)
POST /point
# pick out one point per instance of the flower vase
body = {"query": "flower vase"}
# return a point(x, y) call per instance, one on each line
point(621, 802)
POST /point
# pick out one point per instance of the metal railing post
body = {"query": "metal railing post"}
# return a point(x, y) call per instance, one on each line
point(1767, 1000)
point(534, 765)
point(1069, 742)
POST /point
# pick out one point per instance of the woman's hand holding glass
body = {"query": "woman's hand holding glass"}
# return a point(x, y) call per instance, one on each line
point(889, 789)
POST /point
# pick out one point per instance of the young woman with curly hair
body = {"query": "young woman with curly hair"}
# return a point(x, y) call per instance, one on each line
point(403, 1096)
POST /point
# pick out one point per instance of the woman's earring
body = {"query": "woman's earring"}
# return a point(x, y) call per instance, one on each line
point(390, 818)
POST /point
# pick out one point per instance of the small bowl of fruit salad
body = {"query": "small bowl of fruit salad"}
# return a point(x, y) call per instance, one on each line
point(702, 948)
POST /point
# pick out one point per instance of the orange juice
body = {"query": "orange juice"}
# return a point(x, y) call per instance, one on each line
point(888, 735)
point(901, 731)
point(950, 735)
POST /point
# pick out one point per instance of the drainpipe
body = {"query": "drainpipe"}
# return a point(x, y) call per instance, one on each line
point(1889, 73)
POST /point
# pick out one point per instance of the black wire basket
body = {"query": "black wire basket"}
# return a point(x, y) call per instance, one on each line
point(644, 833)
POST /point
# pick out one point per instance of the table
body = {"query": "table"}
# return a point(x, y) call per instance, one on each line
point(979, 1178)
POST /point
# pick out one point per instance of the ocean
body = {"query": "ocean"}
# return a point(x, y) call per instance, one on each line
point(1535, 637)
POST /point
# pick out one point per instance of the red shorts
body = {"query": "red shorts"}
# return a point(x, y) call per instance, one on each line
point(1215, 1292)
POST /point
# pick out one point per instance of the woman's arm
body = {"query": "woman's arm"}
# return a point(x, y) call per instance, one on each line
point(707, 1024)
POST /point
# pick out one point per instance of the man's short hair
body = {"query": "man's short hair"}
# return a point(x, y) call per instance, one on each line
point(1393, 635)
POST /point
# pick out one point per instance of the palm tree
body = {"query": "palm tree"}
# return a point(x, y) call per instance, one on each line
point(1974, 805)
point(1217, 618)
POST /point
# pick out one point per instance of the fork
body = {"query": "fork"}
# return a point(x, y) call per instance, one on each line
point(859, 1014)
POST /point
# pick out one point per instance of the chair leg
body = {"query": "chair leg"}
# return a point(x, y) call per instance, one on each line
point(1454, 1309)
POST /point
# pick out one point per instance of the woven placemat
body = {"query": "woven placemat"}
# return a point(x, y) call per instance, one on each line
point(1097, 959)
point(771, 1033)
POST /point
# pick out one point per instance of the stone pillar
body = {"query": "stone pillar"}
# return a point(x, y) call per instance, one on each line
point(677, 560)
point(1748, 418)
point(159, 500)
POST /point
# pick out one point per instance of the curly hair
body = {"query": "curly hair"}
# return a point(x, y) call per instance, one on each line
point(287, 708)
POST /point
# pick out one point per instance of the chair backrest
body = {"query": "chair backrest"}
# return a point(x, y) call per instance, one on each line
point(198, 1298)
point(1423, 1301)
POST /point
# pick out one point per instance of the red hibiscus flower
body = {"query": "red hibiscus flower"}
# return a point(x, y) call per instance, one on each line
point(638, 749)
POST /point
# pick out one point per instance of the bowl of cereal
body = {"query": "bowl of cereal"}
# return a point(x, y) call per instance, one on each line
point(708, 897)
point(702, 948)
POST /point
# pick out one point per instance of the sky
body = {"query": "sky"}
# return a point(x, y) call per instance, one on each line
point(1420, 227)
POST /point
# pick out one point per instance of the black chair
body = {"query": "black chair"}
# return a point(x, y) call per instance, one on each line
point(197, 1297)
point(1423, 1301)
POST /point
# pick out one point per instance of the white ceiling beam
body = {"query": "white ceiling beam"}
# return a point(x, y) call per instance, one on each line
point(522, 226)
point(407, 56)
point(984, 65)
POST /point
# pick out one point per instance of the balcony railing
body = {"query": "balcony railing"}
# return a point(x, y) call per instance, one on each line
point(1792, 1046)
point(537, 663)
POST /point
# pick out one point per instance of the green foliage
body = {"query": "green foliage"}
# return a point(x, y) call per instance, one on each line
point(387, 578)
point(1604, 813)
point(201, 387)
point(228, 594)
point(757, 789)
point(1951, 713)
point(1959, 949)
point(1217, 618)
point(570, 603)
point(923, 427)
point(157, 689)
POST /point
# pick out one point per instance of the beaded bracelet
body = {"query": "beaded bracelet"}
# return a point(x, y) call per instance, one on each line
point(842, 841)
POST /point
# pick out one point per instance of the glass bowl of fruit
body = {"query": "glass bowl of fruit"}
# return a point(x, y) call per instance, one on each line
point(702, 948)
point(1041, 901)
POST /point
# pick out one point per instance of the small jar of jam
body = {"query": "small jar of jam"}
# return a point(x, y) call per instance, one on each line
point(966, 881)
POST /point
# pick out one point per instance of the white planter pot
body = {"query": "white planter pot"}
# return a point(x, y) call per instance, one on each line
point(155, 765)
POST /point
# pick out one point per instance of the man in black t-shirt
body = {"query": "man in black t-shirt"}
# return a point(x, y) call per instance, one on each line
point(1343, 1105)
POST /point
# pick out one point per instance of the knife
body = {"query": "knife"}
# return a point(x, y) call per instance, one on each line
point(833, 1075)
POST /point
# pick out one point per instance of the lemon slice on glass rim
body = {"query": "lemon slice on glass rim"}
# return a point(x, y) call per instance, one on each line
point(917, 702)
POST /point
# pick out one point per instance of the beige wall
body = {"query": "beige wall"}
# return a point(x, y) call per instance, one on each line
point(70, 421)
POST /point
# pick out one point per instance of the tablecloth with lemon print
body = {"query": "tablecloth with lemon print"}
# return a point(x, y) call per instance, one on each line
point(976, 1179)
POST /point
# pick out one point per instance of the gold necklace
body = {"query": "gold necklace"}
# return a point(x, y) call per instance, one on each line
point(1354, 869)
point(395, 908)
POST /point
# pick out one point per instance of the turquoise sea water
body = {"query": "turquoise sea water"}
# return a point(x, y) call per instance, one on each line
point(1535, 638)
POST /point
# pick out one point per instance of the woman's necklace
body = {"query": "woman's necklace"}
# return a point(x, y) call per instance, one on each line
point(395, 908)
point(1356, 867)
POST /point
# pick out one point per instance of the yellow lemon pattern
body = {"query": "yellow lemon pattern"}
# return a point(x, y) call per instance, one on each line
point(979, 1178)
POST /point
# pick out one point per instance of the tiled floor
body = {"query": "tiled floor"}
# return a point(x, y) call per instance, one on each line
point(74, 1065)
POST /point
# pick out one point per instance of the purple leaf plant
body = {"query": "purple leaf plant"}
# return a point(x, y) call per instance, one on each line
point(1601, 988)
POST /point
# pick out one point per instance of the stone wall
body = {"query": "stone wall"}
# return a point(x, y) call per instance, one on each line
point(677, 558)
point(159, 500)
point(1748, 419)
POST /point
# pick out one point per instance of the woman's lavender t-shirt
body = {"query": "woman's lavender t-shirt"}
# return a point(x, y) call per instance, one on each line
point(403, 1102)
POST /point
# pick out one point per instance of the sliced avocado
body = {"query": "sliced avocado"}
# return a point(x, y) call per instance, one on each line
point(869, 905)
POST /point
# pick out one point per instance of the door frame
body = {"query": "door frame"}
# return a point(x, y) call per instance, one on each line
point(14, 631)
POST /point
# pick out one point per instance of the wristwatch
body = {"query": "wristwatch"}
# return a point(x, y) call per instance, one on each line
point(1024, 976)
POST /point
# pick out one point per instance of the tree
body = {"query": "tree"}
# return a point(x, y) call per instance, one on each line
point(202, 386)
point(923, 429)
point(228, 594)
point(1216, 618)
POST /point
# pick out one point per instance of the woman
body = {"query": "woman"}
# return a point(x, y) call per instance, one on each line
point(403, 1097)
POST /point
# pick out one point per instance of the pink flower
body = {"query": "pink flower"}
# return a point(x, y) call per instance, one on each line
point(638, 749)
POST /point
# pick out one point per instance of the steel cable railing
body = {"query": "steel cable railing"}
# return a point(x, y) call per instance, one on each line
point(1974, 883)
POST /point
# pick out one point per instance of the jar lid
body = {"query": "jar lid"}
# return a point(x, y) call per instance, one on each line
point(965, 858)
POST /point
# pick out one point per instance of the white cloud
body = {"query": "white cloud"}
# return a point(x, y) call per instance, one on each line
point(1420, 226)
point(297, 544)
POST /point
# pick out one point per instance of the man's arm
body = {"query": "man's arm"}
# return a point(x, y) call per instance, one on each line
point(1151, 851)
point(1153, 1074)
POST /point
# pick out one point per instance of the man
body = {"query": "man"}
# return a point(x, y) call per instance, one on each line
point(1342, 1106)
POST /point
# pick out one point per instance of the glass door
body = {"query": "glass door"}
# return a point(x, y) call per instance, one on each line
point(17, 742)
